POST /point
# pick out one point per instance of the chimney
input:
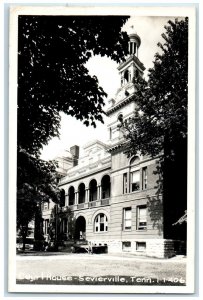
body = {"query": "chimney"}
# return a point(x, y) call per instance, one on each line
point(74, 150)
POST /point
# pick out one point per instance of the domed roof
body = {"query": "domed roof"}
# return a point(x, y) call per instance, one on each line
point(134, 36)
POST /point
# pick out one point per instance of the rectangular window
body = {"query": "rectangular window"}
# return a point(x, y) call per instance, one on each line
point(135, 181)
point(45, 205)
point(126, 246)
point(141, 217)
point(125, 183)
point(127, 218)
point(141, 246)
point(144, 178)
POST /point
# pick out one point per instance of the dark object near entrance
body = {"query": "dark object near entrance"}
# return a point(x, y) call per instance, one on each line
point(84, 246)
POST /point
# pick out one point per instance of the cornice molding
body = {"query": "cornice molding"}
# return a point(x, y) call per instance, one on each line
point(119, 105)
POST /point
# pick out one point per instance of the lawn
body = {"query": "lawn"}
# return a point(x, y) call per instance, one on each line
point(100, 269)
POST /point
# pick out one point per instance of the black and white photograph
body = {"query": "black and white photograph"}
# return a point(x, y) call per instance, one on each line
point(102, 149)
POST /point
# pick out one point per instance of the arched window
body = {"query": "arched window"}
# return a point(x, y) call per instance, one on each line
point(81, 190)
point(126, 76)
point(105, 186)
point(134, 174)
point(71, 193)
point(93, 190)
point(101, 223)
point(134, 160)
point(120, 120)
point(136, 73)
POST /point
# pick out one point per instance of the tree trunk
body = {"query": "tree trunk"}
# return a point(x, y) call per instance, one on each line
point(24, 235)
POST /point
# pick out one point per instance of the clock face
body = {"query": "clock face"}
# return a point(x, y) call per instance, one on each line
point(120, 95)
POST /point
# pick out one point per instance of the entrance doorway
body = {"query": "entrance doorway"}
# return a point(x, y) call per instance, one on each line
point(80, 228)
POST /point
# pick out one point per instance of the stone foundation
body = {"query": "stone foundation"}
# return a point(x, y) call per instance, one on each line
point(160, 248)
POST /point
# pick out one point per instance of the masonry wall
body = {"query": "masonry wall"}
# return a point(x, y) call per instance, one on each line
point(90, 215)
point(148, 241)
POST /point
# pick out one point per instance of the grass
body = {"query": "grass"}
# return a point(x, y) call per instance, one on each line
point(77, 268)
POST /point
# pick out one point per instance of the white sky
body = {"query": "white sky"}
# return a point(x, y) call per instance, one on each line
point(72, 131)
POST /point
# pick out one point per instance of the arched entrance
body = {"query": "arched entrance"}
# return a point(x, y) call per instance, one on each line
point(106, 187)
point(80, 228)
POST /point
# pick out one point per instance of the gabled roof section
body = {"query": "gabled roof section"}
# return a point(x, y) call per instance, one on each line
point(132, 58)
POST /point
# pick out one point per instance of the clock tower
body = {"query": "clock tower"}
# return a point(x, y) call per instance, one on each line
point(122, 105)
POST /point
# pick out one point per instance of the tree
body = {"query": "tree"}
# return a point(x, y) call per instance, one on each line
point(52, 77)
point(56, 236)
point(159, 125)
point(160, 119)
point(36, 184)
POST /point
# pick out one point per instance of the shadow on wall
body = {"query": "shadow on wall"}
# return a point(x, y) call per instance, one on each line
point(155, 209)
point(155, 204)
point(170, 201)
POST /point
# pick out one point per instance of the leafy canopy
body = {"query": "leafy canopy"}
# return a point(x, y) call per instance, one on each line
point(52, 77)
point(36, 184)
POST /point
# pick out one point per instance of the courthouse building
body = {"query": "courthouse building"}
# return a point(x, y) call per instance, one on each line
point(114, 199)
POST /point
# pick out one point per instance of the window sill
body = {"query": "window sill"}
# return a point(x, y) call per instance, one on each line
point(138, 191)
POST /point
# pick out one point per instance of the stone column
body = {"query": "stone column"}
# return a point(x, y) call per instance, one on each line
point(67, 200)
point(99, 192)
point(87, 195)
point(76, 197)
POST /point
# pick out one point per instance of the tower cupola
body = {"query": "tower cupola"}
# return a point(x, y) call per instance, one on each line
point(134, 43)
